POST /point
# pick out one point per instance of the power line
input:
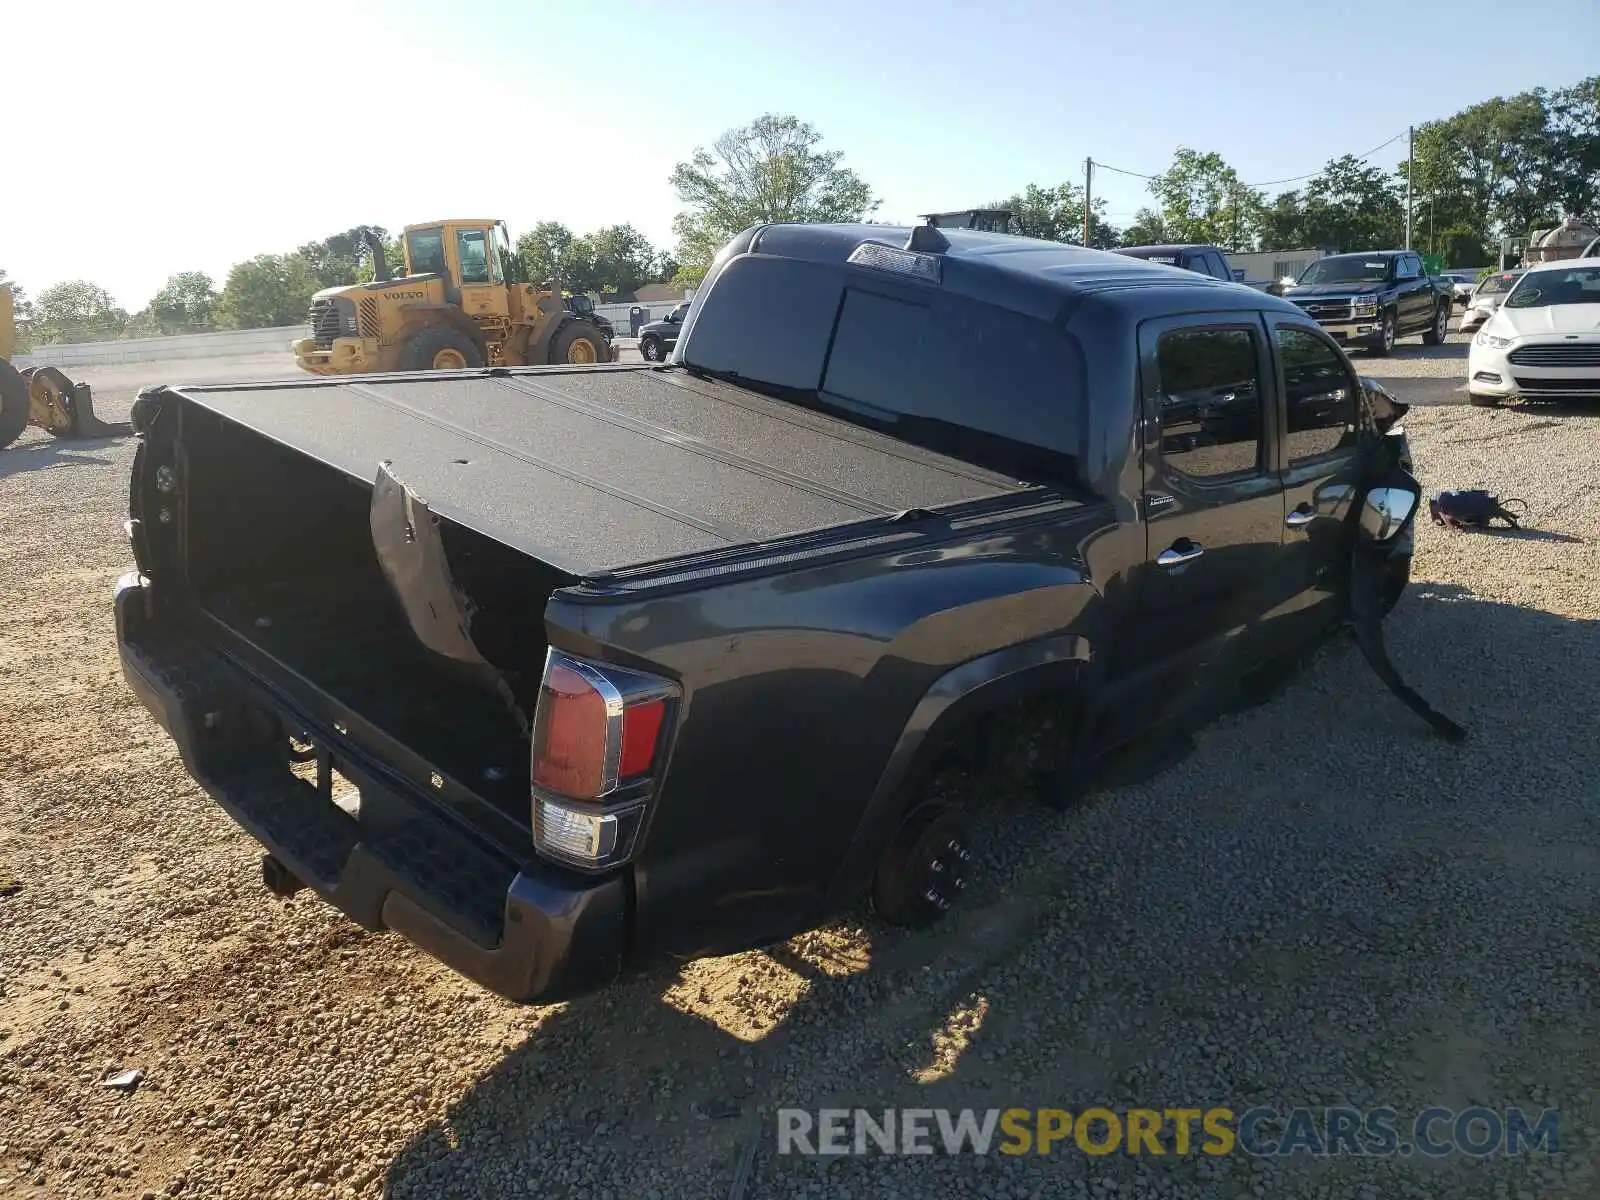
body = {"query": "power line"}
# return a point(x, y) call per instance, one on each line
point(1268, 182)
point(1120, 171)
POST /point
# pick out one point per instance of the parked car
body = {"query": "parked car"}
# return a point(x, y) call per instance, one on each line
point(1202, 259)
point(657, 339)
point(1461, 284)
point(633, 665)
point(1543, 342)
point(1486, 297)
point(1373, 298)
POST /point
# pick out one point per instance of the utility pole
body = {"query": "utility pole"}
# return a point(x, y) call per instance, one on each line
point(1088, 184)
point(1411, 174)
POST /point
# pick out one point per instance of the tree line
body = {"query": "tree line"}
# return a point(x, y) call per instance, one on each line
point(1494, 169)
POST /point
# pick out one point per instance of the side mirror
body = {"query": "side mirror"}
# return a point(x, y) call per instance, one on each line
point(1238, 274)
point(1388, 508)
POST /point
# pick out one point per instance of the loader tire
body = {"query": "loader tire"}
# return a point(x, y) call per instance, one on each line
point(579, 344)
point(13, 403)
point(440, 348)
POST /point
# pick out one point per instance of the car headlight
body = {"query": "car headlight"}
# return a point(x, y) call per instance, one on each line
point(1493, 342)
point(1364, 306)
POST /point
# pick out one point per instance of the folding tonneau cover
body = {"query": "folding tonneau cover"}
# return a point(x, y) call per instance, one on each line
point(593, 469)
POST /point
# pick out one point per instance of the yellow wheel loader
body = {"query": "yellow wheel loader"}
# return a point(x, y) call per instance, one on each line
point(42, 396)
point(458, 305)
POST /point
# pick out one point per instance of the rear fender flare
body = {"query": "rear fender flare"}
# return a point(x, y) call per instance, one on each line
point(1049, 665)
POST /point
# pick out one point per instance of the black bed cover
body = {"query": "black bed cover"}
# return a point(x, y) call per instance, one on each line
point(592, 469)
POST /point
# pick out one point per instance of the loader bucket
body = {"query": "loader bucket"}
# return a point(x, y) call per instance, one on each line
point(65, 409)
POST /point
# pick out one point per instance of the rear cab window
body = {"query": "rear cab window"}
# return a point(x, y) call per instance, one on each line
point(980, 383)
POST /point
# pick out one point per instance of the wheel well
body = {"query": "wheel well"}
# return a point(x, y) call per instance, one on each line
point(992, 728)
point(444, 315)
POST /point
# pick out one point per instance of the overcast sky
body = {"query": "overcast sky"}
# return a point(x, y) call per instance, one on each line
point(174, 135)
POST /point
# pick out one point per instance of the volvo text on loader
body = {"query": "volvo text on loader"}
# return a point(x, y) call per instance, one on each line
point(459, 305)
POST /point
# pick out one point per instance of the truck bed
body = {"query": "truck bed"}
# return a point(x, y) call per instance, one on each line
point(592, 469)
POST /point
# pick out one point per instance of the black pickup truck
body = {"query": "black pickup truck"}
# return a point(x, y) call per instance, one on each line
point(1370, 299)
point(627, 663)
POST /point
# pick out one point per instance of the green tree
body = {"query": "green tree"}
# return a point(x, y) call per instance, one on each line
point(267, 291)
point(186, 304)
point(76, 311)
point(1148, 229)
point(1354, 207)
point(621, 259)
point(343, 257)
point(769, 170)
point(546, 252)
point(1202, 200)
point(1282, 224)
point(1056, 215)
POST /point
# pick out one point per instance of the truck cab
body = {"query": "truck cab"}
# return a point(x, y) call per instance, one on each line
point(1202, 259)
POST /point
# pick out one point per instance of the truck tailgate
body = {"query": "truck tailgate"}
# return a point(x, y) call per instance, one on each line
point(593, 469)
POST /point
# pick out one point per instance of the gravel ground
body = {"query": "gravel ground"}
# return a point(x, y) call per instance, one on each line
point(1321, 904)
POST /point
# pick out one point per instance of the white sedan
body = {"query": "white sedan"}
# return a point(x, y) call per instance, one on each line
point(1543, 342)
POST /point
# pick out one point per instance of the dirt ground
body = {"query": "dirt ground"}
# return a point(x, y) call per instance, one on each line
point(1321, 905)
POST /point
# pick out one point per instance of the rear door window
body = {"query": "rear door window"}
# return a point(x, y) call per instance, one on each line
point(1210, 401)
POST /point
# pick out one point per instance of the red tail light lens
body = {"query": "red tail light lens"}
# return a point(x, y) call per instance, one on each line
point(570, 733)
point(641, 727)
point(596, 733)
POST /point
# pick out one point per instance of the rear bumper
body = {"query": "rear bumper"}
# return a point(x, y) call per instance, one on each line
point(525, 932)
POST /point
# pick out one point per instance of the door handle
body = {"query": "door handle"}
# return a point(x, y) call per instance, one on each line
point(1172, 556)
point(1299, 517)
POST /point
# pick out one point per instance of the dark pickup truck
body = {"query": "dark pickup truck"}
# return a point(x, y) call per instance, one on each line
point(1371, 299)
point(566, 671)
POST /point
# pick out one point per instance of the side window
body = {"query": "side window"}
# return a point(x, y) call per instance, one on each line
point(472, 248)
point(1214, 266)
point(1319, 395)
point(1210, 398)
point(427, 251)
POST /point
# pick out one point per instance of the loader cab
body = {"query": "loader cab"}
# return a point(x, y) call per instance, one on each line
point(474, 258)
point(466, 253)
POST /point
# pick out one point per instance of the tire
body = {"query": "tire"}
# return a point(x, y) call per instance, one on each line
point(923, 871)
point(1395, 581)
point(1435, 334)
point(1383, 344)
point(579, 343)
point(440, 348)
point(651, 350)
point(13, 403)
point(1479, 400)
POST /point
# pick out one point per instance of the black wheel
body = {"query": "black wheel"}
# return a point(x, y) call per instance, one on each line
point(13, 403)
point(1435, 334)
point(440, 348)
point(1383, 344)
point(924, 871)
point(579, 343)
point(1396, 578)
point(1479, 400)
point(651, 349)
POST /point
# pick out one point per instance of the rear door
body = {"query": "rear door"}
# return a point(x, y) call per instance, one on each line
point(1416, 293)
point(1213, 500)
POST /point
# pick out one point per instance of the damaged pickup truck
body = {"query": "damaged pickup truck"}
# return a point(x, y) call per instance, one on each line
point(561, 672)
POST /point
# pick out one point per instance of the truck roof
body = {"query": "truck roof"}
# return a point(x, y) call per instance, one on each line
point(1028, 275)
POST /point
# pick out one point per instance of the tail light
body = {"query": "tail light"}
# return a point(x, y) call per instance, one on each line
point(599, 733)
